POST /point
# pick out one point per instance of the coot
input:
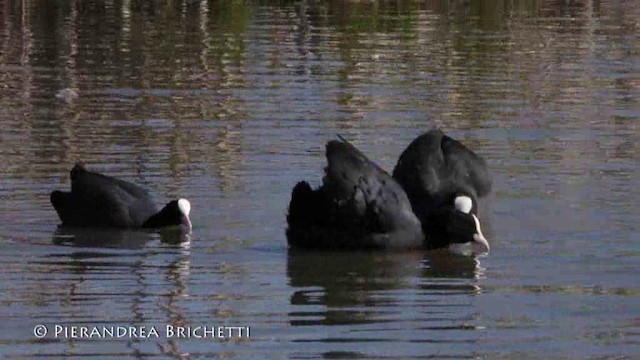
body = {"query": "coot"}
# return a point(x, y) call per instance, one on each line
point(360, 206)
point(102, 201)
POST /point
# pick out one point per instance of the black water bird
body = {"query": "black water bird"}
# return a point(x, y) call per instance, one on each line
point(443, 179)
point(360, 206)
point(102, 201)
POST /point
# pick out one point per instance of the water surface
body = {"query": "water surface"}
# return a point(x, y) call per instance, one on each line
point(230, 103)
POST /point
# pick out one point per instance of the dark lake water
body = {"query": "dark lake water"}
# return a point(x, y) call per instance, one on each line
point(230, 103)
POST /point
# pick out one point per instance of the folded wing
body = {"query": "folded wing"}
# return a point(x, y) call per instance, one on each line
point(97, 200)
point(358, 205)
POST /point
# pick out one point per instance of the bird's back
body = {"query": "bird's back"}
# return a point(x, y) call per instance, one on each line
point(435, 166)
point(98, 200)
point(468, 168)
point(358, 206)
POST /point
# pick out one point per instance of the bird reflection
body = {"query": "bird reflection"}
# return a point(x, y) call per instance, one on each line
point(116, 238)
point(446, 264)
point(355, 286)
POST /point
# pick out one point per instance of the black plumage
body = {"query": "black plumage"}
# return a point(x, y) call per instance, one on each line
point(360, 206)
point(98, 200)
point(434, 167)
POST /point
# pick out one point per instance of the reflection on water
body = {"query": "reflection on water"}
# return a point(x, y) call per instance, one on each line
point(343, 279)
point(229, 103)
point(117, 238)
point(355, 300)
